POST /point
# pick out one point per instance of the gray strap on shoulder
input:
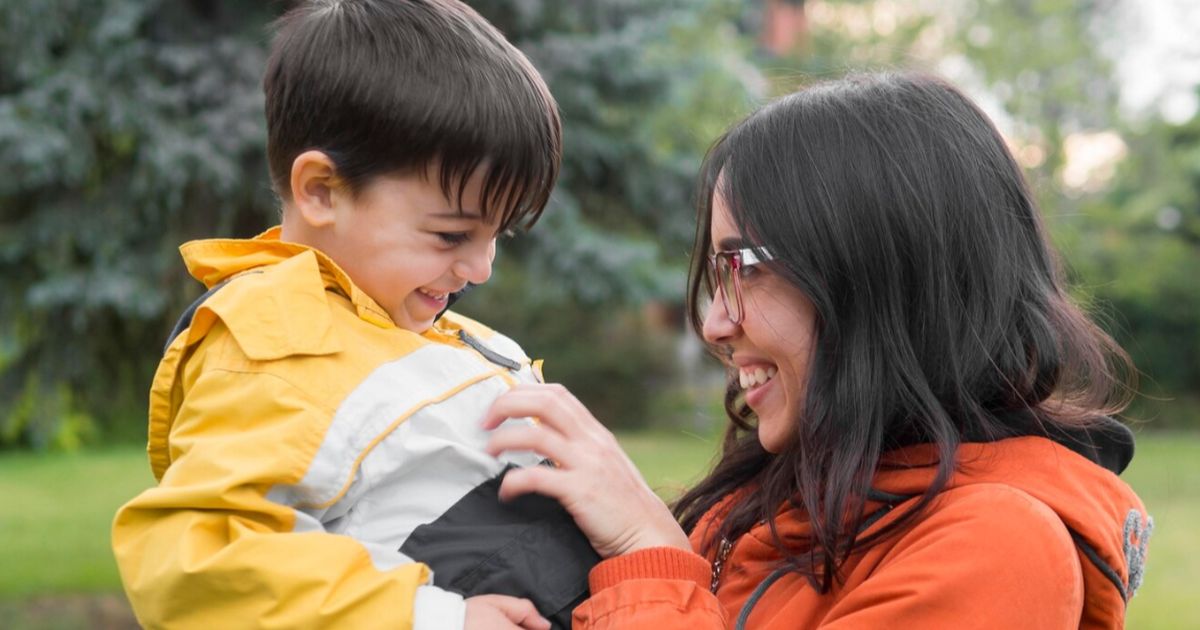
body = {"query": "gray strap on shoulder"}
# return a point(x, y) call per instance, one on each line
point(757, 595)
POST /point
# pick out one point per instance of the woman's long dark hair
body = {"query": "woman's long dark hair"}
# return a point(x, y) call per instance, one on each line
point(892, 202)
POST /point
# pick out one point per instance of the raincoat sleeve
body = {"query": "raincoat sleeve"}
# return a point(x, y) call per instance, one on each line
point(217, 545)
point(656, 588)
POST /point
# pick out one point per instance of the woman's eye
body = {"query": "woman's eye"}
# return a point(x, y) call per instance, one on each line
point(746, 272)
point(454, 238)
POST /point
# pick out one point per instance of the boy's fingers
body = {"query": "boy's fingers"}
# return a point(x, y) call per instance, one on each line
point(523, 613)
point(540, 623)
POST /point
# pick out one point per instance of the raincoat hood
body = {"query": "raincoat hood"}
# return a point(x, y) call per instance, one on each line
point(1075, 475)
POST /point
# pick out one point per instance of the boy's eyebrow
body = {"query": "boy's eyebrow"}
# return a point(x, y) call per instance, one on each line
point(456, 215)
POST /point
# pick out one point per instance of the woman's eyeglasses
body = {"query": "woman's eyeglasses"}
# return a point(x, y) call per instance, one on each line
point(724, 276)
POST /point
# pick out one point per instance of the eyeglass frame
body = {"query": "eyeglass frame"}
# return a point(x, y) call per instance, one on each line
point(738, 259)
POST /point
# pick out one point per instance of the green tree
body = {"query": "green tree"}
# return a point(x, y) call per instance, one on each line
point(130, 126)
point(1138, 250)
point(644, 87)
point(1045, 67)
point(126, 127)
point(1130, 241)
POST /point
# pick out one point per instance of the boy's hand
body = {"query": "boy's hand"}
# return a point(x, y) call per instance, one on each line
point(501, 612)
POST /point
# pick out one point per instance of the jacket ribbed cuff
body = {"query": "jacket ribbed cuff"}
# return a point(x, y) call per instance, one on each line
point(660, 563)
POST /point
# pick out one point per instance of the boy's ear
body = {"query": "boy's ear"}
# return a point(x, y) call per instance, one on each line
point(314, 179)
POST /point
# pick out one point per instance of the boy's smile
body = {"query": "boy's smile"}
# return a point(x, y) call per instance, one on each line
point(400, 240)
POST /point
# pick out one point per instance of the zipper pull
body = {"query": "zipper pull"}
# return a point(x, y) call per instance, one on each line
point(486, 352)
point(722, 553)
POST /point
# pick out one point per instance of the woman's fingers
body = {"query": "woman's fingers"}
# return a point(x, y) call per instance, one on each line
point(551, 404)
point(595, 481)
point(541, 440)
point(541, 480)
point(525, 400)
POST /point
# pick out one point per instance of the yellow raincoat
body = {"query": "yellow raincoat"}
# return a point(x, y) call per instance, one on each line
point(298, 438)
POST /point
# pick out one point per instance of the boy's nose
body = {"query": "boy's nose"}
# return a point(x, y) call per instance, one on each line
point(476, 264)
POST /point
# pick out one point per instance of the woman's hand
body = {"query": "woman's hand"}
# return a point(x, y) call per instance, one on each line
point(501, 612)
point(593, 478)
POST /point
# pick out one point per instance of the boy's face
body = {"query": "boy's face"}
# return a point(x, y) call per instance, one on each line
point(408, 247)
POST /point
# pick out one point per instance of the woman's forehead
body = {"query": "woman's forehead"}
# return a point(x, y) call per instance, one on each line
point(721, 220)
point(724, 235)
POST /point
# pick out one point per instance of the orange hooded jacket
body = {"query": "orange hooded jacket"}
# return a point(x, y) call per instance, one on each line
point(1027, 534)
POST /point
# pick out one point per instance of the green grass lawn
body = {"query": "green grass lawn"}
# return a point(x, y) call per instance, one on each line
point(59, 509)
point(1166, 474)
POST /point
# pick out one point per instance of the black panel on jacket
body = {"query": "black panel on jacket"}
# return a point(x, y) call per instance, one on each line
point(529, 547)
point(185, 319)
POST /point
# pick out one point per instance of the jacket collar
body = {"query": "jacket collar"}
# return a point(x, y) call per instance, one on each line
point(213, 261)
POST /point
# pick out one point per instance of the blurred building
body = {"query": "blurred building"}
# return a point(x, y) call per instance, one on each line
point(784, 26)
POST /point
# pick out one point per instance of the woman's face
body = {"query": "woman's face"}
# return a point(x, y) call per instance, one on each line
point(772, 346)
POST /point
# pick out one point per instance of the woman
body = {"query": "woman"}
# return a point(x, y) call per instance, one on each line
point(920, 432)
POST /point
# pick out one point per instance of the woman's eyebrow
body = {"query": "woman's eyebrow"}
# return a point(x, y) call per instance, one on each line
point(731, 243)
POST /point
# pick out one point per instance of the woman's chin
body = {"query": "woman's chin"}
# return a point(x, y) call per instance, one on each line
point(771, 436)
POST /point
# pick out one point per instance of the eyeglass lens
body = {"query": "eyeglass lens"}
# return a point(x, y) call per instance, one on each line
point(729, 290)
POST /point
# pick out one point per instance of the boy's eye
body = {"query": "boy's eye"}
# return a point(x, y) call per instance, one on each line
point(454, 238)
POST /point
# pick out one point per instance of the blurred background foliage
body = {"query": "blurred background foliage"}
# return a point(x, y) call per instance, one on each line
point(130, 126)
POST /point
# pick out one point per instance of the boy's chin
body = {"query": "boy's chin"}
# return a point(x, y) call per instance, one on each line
point(415, 314)
point(408, 321)
point(417, 327)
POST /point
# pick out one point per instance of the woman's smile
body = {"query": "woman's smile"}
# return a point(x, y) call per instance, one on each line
point(757, 380)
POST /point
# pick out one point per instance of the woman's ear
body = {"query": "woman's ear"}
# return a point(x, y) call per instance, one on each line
point(314, 180)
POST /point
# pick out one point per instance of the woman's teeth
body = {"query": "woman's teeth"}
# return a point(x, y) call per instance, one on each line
point(435, 296)
point(753, 377)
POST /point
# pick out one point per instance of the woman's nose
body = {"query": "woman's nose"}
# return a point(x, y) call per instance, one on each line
point(717, 326)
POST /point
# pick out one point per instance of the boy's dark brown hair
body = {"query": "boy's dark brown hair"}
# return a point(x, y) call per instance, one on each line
point(387, 87)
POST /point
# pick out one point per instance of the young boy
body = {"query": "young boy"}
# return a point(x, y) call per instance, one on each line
point(314, 421)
